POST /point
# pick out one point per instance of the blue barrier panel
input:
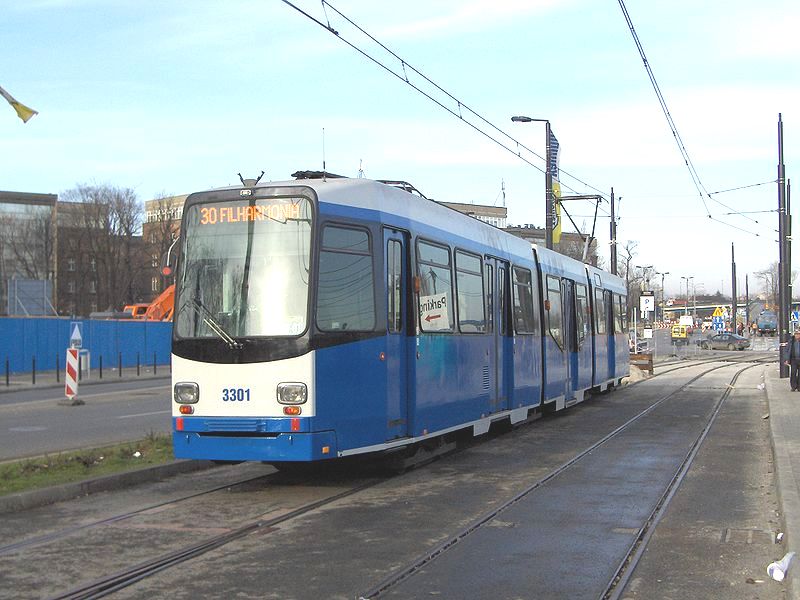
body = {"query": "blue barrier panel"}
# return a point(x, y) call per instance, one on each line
point(47, 338)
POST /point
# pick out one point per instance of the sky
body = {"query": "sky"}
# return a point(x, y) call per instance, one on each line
point(174, 97)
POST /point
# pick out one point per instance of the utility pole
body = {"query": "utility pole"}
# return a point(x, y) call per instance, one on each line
point(783, 312)
point(747, 304)
point(734, 306)
point(613, 237)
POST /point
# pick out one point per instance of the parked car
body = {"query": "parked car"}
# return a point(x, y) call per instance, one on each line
point(724, 341)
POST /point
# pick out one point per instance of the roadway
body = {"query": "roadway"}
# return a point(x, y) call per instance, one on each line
point(34, 423)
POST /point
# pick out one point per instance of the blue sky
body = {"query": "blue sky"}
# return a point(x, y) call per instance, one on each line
point(174, 97)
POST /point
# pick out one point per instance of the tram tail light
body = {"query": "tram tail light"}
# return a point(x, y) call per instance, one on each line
point(187, 409)
point(292, 393)
point(292, 410)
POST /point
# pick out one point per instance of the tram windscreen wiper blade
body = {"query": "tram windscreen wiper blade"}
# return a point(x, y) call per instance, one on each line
point(214, 325)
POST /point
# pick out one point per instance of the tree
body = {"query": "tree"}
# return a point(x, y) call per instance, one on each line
point(626, 271)
point(105, 222)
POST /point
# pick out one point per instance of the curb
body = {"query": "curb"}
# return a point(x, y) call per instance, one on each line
point(60, 385)
point(788, 490)
point(69, 491)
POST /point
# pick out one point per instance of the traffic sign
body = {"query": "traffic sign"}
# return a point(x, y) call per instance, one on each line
point(796, 315)
point(76, 337)
point(718, 312)
point(647, 302)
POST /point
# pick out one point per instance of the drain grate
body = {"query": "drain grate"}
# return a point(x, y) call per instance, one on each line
point(748, 536)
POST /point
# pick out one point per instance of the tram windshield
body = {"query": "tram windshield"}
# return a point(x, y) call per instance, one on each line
point(245, 269)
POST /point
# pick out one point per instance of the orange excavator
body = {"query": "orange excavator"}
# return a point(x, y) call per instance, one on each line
point(162, 307)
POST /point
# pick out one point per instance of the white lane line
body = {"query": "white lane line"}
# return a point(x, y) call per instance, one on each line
point(147, 414)
point(84, 396)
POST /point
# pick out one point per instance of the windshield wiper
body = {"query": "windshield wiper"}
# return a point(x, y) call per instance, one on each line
point(214, 325)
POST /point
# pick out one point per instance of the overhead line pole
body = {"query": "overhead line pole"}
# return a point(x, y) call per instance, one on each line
point(783, 312)
point(734, 305)
point(613, 237)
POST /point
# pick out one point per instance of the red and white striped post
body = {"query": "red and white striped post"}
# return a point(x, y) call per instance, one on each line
point(71, 379)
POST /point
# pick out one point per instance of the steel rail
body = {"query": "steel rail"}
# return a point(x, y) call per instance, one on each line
point(422, 560)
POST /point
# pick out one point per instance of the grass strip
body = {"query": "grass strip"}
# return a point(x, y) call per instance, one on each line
point(65, 467)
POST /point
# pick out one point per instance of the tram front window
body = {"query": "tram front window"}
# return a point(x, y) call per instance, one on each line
point(245, 269)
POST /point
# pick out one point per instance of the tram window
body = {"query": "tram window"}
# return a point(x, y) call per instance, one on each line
point(436, 288)
point(524, 319)
point(489, 278)
point(555, 316)
point(501, 282)
point(599, 312)
point(469, 286)
point(394, 278)
point(619, 313)
point(582, 313)
point(345, 293)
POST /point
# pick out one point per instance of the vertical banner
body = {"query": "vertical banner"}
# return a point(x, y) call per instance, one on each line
point(553, 149)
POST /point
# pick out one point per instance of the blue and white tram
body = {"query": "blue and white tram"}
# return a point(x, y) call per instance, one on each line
point(321, 318)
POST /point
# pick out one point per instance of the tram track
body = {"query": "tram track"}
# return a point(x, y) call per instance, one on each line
point(109, 584)
point(116, 581)
point(400, 575)
point(63, 533)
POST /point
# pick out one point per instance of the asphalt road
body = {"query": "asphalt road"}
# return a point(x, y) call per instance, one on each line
point(32, 422)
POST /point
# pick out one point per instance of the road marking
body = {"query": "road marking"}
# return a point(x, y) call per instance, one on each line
point(23, 403)
point(147, 414)
point(27, 429)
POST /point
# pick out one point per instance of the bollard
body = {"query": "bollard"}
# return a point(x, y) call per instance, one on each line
point(7, 380)
point(119, 363)
point(154, 363)
point(80, 366)
point(101, 366)
point(33, 370)
point(58, 374)
point(137, 364)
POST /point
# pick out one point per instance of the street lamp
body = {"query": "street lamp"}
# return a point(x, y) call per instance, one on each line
point(663, 300)
point(548, 179)
point(686, 306)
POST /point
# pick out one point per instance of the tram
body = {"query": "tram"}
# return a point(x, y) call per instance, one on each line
point(324, 317)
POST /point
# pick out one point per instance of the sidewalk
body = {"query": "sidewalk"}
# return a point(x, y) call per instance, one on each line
point(784, 420)
point(52, 379)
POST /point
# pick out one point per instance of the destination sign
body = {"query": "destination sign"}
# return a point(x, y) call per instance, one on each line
point(275, 210)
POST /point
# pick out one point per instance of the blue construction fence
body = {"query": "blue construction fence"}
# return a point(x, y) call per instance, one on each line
point(45, 340)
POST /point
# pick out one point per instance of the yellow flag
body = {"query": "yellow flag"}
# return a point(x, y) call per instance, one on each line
point(23, 112)
point(557, 202)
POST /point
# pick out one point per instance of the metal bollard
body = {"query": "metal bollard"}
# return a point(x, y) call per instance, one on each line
point(137, 365)
point(154, 363)
point(33, 370)
point(101, 366)
point(58, 372)
point(119, 363)
point(7, 373)
point(80, 366)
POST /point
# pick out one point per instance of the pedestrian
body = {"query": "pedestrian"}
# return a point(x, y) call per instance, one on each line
point(794, 362)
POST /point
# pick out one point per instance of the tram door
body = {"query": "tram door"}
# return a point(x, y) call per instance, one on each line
point(570, 338)
point(496, 287)
point(396, 276)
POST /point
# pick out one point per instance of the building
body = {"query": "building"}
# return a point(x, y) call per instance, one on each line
point(571, 244)
point(494, 215)
point(27, 252)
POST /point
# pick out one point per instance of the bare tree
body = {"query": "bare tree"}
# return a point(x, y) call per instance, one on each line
point(769, 283)
point(105, 222)
point(626, 271)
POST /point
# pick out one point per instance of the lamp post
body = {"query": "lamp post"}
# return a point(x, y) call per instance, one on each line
point(694, 300)
point(686, 305)
point(548, 179)
point(663, 300)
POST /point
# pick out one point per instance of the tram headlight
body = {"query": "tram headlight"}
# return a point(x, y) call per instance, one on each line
point(186, 392)
point(292, 393)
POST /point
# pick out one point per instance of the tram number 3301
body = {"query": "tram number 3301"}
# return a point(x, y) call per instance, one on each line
point(236, 394)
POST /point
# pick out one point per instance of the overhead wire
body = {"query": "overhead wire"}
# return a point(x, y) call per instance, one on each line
point(695, 176)
point(460, 107)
